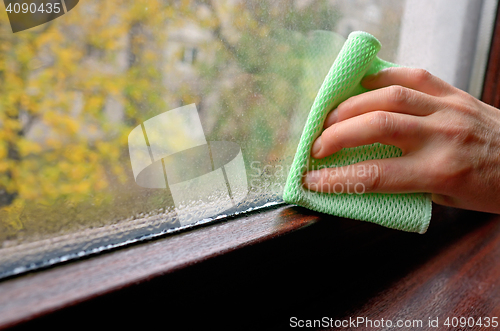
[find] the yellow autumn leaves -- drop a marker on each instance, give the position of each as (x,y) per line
(71,90)
(56,141)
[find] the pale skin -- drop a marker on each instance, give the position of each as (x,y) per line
(449,139)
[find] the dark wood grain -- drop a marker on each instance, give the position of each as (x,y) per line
(457,278)
(291,263)
(491,88)
(39,293)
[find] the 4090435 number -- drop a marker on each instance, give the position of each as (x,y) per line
(32,8)
(471,322)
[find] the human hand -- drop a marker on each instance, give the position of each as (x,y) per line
(450,141)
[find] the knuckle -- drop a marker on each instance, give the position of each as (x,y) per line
(421,75)
(461,103)
(466,106)
(398,95)
(371,179)
(383,121)
(460,131)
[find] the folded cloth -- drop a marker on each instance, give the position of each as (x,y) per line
(408,212)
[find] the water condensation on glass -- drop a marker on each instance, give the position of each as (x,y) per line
(203,178)
(103,109)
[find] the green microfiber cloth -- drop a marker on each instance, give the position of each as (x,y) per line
(408,212)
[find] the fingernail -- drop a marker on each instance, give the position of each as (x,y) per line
(311,179)
(369,78)
(316,146)
(332,118)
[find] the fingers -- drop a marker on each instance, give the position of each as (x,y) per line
(393,175)
(394,113)
(395,99)
(416,79)
(445,200)
(403,131)
(403,90)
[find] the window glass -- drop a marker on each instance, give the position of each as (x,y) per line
(121,120)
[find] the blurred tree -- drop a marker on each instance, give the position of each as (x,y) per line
(72,89)
(57,142)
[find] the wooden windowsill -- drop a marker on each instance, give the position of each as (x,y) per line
(257,271)
(41,292)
